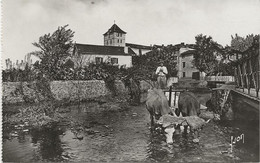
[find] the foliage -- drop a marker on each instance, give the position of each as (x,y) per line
(34,115)
(242,43)
(205,58)
(150,61)
(15,75)
(54,48)
(211,57)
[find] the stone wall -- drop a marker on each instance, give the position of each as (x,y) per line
(18,92)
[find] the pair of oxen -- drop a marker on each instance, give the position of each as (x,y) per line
(162,114)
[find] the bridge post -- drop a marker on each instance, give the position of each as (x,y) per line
(175,95)
(170,96)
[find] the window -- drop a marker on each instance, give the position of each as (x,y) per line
(117,34)
(118,41)
(99,60)
(183,74)
(114,61)
(183,64)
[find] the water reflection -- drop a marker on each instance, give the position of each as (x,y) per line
(155,150)
(48,143)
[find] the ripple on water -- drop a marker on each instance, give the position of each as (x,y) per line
(124,136)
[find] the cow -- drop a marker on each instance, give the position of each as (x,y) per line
(157,106)
(188,105)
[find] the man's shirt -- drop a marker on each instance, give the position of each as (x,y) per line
(162,72)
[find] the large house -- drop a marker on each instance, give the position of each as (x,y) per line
(115,50)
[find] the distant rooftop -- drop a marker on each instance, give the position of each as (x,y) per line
(137,46)
(113,29)
(188,52)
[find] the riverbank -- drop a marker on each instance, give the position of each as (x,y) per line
(34,115)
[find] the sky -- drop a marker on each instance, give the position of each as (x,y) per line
(145,21)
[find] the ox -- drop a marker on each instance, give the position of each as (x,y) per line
(157,105)
(188,105)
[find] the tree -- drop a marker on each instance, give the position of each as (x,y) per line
(241,44)
(207,52)
(54,48)
(146,65)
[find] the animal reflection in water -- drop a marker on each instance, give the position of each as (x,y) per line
(161,114)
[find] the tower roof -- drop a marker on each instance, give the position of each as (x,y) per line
(113,29)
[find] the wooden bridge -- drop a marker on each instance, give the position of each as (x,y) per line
(246,95)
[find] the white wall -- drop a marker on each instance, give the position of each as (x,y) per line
(188,69)
(113,37)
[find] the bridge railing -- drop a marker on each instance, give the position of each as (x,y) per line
(220,78)
(247,71)
(173,96)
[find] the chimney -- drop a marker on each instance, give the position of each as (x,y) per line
(126,49)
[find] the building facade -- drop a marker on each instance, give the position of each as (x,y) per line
(185,65)
(85,54)
(114,51)
(114,36)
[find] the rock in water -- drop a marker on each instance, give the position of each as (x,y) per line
(206,115)
(195,122)
(167,120)
(195,140)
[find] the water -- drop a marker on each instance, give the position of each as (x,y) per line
(125,136)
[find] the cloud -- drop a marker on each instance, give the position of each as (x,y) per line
(145,21)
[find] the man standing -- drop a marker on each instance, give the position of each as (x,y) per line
(161,71)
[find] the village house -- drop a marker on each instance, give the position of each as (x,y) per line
(186,68)
(115,50)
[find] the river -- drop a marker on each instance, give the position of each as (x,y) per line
(125,136)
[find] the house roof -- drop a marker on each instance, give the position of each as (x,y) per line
(138,46)
(113,29)
(87,49)
(131,52)
(188,52)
